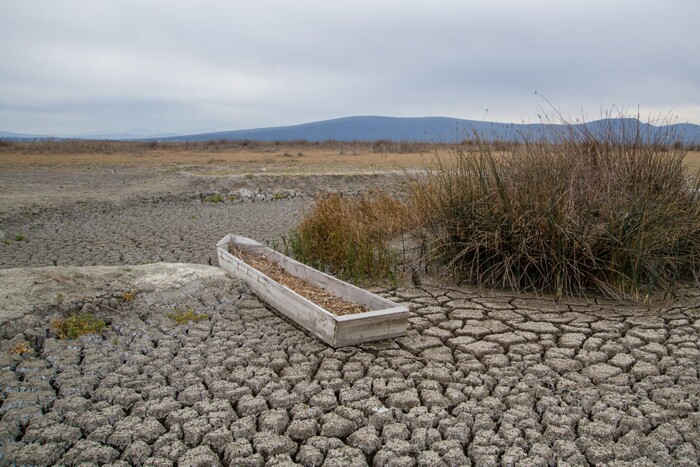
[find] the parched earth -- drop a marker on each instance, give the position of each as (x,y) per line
(482,377)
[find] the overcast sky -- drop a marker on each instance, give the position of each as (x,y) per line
(72,67)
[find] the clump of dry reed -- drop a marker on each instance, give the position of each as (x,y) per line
(610,209)
(349,236)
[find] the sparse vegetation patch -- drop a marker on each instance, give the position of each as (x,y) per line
(22,348)
(127,297)
(182,317)
(77,325)
(215,198)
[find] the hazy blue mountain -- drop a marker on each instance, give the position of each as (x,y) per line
(426,129)
(8,135)
(430,129)
(418,129)
(134,134)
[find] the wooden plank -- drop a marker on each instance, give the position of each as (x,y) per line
(297,308)
(366,329)
(385,319)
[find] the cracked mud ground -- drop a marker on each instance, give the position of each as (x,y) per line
(482,378)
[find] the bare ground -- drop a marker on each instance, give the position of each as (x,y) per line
(482,378)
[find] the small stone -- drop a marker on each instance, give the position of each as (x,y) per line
(430,459)
(473,331)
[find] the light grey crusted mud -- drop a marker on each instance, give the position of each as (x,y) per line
(139,232)
(481,379)
(121,215)
(30,295)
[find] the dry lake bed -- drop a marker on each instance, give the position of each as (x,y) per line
(482,377)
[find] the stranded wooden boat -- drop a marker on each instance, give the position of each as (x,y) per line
(385,319)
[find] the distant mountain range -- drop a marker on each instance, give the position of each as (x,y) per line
(414,129)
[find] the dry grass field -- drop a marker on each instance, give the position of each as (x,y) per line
(230,158)
(692,160)
(227,159)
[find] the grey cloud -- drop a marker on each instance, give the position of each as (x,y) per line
(77,66)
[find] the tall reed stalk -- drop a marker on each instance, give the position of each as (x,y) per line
(610,209)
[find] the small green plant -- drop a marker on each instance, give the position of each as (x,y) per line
(20,238)
(22,348)
(60,297)
(184,316)
(77,325)
(215,198)
(6,241)
(114,341)
(279,195)
(233,197)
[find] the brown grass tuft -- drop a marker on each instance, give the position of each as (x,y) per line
(349,236)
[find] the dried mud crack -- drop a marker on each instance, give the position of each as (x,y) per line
(482,378)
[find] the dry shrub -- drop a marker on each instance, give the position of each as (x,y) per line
(348,236)
(612,210)
(69,146)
